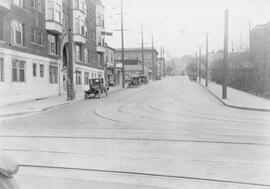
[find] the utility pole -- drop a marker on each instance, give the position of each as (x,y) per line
(142,48)
(70,84)
(225,58)
(196,61)
(153,61)
(163,62)
(206,61)
(122,40)
(200,62)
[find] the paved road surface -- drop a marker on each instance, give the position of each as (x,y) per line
(169,134)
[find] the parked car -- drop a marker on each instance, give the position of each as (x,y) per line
(8,168)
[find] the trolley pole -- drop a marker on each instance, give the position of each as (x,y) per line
(122,40)
(225,58)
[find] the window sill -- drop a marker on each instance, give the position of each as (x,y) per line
(55,22)
(36,44)
(19,46)
(54,55)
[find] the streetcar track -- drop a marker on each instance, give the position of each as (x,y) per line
(148,175)
(139,139)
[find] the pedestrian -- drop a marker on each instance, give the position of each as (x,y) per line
(8,168)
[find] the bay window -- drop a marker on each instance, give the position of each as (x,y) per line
(54,11)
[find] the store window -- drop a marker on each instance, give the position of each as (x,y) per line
(18,71)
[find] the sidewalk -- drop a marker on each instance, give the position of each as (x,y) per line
(237,99)
(35,106)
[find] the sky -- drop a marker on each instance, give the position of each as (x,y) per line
(179,26)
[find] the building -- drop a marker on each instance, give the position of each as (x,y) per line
(34,48)
(100,31)
(136,54)
(133,67)
(260,44)
(110,65)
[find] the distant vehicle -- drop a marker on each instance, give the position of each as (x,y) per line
(134,82)
(8,168)
(192,77)
(97,88)
(158,77)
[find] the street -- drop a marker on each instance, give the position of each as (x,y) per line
(169,134)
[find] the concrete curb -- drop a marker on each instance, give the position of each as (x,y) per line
(60,105)
(233,106)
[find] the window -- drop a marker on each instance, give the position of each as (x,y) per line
(1,69)
(86,78)
(57,13)
(33,3)
(36,36)
(41,70)
(78,77)
(33,37)
(53,74)
(50,10)
(76,4)
(16,33)
(39,5)
(78,53)
(82,5)
(82,27)
(52,44)
(18,3)
(34,70)
(39,37)
(86,56)
(77,25)
(18,71)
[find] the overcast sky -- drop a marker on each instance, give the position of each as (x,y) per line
(178,25)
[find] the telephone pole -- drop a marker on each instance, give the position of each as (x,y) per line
(122,40)
(142,48)
(70,84)
(206,60)
(225,59)
(200,62)
(196,61)
(153,61)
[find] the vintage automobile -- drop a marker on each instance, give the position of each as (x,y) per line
(134,82)
(97,88)
(144,79)
(8,168)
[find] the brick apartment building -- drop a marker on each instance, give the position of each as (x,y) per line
(136,54)
(34,48)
